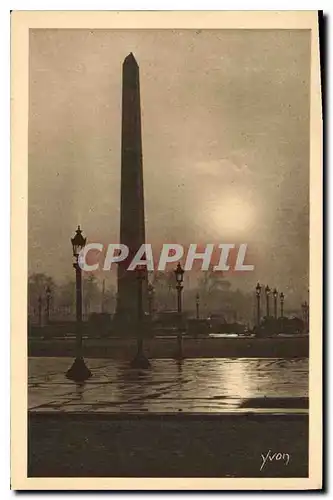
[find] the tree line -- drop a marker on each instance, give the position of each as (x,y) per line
(216,296)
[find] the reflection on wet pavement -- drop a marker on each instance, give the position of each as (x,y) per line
(202,385)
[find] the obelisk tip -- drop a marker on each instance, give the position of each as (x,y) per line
(130,59)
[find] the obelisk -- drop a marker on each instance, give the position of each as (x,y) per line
(132,220)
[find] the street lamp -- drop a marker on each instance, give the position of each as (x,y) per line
(40,310)
(267,292)
(305,308)
(140,360)
(48,300)
(150,290)
(258,293)
(281,303)
(275,295)
(197,305)
(179,273)
(78,372)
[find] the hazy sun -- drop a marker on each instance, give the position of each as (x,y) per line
(232,216)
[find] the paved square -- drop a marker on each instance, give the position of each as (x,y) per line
(195,385)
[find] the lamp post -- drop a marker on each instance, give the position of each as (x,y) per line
(267,292)
(40,310)
(150,290)
(48,300)
(197,305)
(258,293)
(305,308)
(140,360)
(78,372)
(275,295)
(179,273)
(281,303)
(103,297)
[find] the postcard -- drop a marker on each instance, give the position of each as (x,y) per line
(166,251)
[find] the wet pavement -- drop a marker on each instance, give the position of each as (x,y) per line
(215,385)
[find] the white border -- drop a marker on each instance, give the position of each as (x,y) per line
(102,5)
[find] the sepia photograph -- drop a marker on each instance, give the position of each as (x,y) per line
(168,325)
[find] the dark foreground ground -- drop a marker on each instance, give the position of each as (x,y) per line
(179,445)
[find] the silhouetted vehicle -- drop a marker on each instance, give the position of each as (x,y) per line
(169,321)
(198,327)
(100,319)
(271,327)
(238,328)
(218,324)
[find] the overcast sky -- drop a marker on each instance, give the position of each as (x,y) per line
(225,118)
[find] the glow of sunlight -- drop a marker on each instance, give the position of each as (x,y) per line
(232,216)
